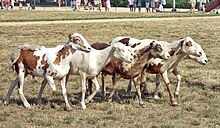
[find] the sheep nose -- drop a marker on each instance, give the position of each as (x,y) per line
(206,61)
(167,57)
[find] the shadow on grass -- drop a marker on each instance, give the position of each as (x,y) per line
(202,85)
(75,98)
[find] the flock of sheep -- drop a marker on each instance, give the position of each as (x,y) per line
(123,57)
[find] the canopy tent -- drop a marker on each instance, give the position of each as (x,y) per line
(213,5)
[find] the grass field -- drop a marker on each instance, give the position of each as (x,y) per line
(199,100)
(23,15)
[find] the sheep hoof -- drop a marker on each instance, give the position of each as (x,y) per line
(174,104)
(6,102)
(86,101)
(127,101)
(156,97)
(83,105)
(109,100)
(91,101)
(68,109)
(52,105)
(176,95)
(27,105)
(120,102)
(84,108)
(143,106)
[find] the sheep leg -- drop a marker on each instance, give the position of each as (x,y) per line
(43,84)
(138,90)
(51,83)
(89,91)
(11,88)
(83,84)
(95,81)
(143,85)
(21,76)
(129,87)
(114,82)
(167,82)
(67,78)
(63,86)
(103,89)
(178,77)
(156,97)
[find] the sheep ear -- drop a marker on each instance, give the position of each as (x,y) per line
(70,36)
(119,46)
(189,43)
(182,43)
(152,44)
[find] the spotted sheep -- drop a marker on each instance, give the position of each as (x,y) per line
(116,69)
(139,44)
(89,65)
(50,63)
(180,50)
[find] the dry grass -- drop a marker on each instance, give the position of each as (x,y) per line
(199,101)
(23,15)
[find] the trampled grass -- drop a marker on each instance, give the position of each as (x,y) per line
(199,100)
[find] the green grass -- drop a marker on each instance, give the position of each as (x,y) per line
(199,100)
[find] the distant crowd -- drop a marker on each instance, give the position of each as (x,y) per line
(6,4)
(134,5)
(156,5)
(90,4)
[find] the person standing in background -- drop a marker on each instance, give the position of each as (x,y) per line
(131,5)
(147,5)
(72,4)
(33,4)
(6,3)
(100,5)
(202,5)
(152,4)
(20,2)
(2,4)
(107,5)
(156,5)
(28,4)
(12,4)
(139,5)
(77,5)
(135,5)
(60,3)
(193,5)
(163,3)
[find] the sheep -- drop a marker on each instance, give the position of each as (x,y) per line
(180,50)
(88,65)
(117,70)
(50,63)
